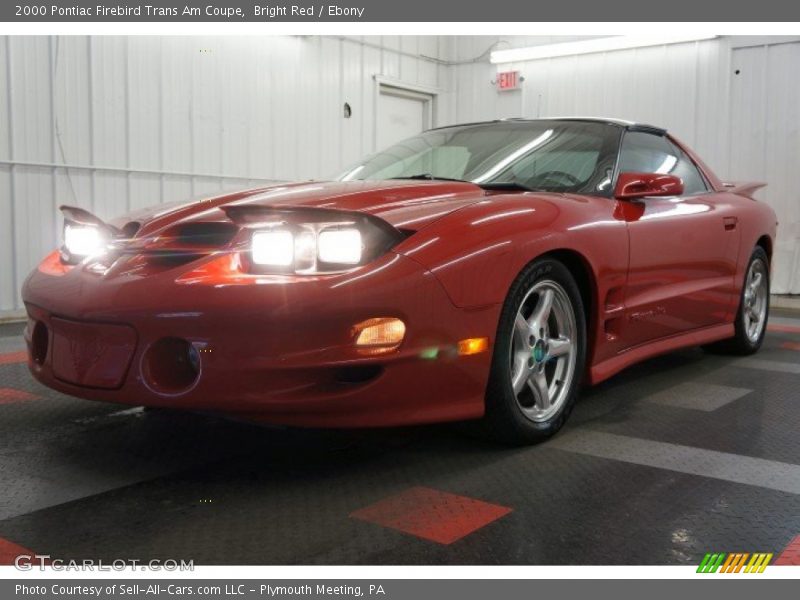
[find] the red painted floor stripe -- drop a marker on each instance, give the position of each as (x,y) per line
(790,346)
(431,514)
(9,395)
(9,358)
(790,554)
(783,328)
(9,551)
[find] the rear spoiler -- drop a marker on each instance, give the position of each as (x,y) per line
(744,188)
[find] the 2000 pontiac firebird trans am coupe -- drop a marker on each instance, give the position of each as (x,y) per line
(478,271)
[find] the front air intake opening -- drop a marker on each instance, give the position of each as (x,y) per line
(171,366)
(40,340)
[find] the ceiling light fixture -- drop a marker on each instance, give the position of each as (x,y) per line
(602,44)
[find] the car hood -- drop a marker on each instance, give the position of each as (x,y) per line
(401,203)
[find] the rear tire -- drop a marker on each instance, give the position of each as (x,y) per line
(751,318)
(539,356)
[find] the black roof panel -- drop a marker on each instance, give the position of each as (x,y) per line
(629,125)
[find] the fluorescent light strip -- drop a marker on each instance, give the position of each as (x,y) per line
(603,44)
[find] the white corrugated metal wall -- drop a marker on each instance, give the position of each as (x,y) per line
(765,131)
(691,89)
(142,120)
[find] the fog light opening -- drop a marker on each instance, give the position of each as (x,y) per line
(40,340)
(171,366)
(379,335)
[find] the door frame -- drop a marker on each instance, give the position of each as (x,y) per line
(428,95)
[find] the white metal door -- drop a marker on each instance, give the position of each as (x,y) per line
(765,143)
(401,114)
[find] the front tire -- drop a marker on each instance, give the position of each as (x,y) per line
(539,355)
(751,319)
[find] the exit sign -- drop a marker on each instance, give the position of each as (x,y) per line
(508,80)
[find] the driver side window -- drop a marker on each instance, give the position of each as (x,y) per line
(649,153)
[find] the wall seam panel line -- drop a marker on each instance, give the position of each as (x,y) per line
(52,50)
(12,177)
(192,136)
(696,92)
(220,97)
(362,101)
(127,100)
(90,84)
(340,105)
(161,153)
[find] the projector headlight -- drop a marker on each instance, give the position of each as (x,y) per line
(340,246)
(81,241)
(273,248)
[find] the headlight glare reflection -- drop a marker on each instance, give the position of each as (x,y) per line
(341,246)
(273,248)
(82,241)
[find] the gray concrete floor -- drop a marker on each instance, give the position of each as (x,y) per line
(685,454)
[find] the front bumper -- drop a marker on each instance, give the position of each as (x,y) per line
(279,350)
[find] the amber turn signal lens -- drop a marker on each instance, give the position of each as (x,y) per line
(473,346)
(379,335)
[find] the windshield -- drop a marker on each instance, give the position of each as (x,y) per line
(554,156)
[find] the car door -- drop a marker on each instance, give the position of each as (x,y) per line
(682,249)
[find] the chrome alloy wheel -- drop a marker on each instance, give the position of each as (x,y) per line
(543,351)
(755,301)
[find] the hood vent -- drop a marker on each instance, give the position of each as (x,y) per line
(129,229)
(202,235)
(173,247)
(187,242)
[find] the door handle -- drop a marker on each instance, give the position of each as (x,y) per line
(730,223)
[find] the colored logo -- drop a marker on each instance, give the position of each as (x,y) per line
(539,351)
(735,562)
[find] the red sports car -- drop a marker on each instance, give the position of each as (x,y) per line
(479,271)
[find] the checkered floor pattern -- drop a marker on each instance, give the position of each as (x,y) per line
(682,455)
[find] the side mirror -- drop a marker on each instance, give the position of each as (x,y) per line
(641,185)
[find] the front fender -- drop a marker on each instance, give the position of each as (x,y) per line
(477,252)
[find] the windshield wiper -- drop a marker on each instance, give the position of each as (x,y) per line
(491,185)
(429,177)
(508,185)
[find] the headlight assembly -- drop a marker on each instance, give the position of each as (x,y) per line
(82,241)
(307,247)
(85,235)
(308,241)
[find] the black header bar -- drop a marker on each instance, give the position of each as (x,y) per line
(240,11)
